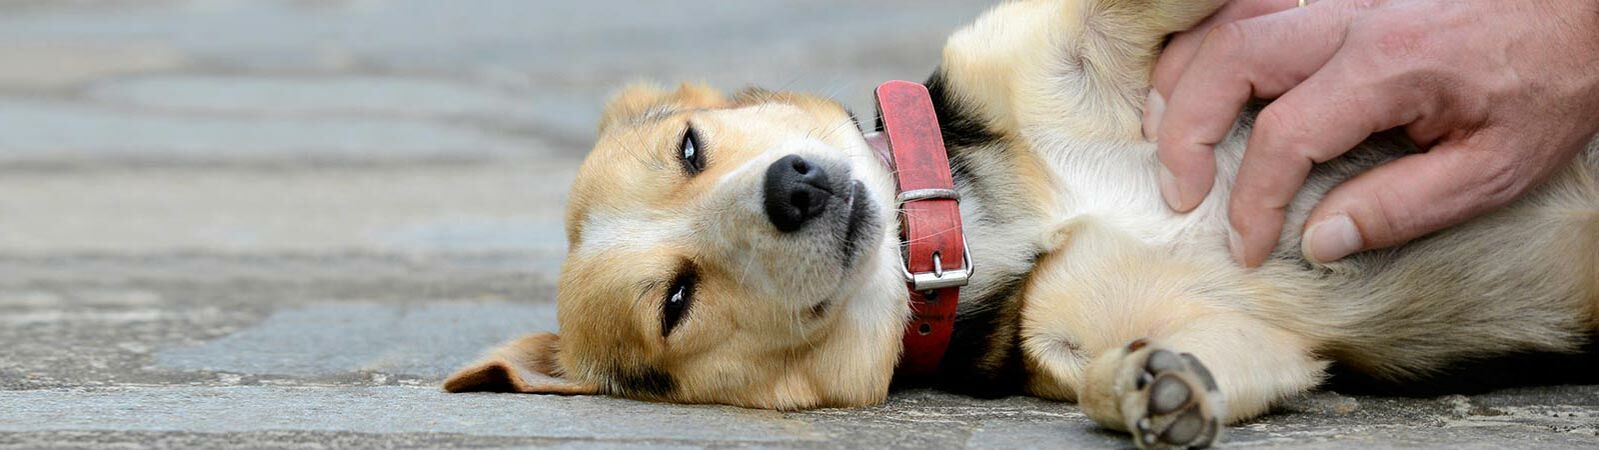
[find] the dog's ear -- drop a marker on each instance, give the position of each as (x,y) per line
(527,365)
(630,102)
(639,100)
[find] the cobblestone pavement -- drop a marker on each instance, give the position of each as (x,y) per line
(280,223)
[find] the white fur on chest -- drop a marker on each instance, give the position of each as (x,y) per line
(1117,184)
(1113,184)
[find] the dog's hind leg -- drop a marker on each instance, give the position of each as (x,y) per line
(1155,345)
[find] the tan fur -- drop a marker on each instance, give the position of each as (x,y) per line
(1095,86)
(1064,201)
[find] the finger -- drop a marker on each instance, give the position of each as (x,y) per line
(1183,45)
(1416,195)
(1259,57)
(1320,119)
(1180,50)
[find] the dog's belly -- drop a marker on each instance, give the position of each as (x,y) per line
(1117,184)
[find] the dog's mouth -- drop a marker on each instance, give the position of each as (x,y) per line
(860,223)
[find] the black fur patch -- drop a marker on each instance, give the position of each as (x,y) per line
(984,355)
(643,382)
(961,126)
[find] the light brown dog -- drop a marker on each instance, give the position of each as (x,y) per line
(682,285)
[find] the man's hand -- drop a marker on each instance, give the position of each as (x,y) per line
(1502,94)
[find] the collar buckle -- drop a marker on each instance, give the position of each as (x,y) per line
(939,278)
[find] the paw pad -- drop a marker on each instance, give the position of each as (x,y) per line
(1173,390)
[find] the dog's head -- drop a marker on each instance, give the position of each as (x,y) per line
(721,250)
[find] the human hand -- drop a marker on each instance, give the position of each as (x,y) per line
(1502,94)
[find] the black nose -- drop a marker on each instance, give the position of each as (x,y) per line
(796,192)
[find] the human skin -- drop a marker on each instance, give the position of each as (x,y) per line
(1501,94)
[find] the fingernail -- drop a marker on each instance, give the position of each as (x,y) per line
(1332,239)
(1154,108)
(1235,244)
(1169,190)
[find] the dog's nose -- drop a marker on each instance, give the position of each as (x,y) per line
(796,192)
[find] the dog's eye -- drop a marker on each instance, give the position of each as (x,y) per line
(693,158)
(677,300)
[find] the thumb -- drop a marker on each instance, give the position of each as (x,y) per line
(1413,196)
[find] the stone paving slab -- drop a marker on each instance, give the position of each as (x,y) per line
(430,340)
(917,419)
(440,208)
(52,131)
(279,223)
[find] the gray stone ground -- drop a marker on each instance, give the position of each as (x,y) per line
(280,223)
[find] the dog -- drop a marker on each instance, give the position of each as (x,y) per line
(683,283)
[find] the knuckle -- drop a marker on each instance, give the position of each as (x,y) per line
(1502,181)
(1226,40)
(1395,44)
(1250,212)
(1384,228)
(1279,126)
(1391,39)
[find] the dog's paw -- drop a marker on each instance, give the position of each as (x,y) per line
(1173,402)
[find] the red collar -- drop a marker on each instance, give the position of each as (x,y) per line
(936,262)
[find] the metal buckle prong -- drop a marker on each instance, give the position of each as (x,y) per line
(940,278)
(936,279)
